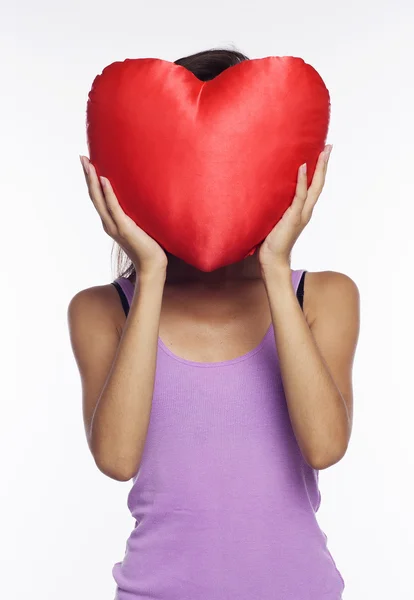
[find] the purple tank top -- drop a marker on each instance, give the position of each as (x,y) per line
(224,503)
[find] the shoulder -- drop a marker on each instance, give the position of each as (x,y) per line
(331,282)
(96,304)
(330,292)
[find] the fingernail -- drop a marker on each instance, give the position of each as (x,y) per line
(103,181)
(84,164)
(327,151)
(303,168)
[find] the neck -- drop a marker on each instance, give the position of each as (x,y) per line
(179,271)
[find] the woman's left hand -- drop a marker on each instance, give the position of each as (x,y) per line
(276,248)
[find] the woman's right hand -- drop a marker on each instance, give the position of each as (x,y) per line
(146,254)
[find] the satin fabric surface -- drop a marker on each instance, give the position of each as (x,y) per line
(207,168)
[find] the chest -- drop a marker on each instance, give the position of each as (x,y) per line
(214,329)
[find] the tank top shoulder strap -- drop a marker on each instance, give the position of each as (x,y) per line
(126,288)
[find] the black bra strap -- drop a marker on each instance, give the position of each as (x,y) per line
(124,300)
(300,290)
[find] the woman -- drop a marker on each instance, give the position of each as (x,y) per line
(221,395)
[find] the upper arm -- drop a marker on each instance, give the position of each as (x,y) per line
(93,319)
(334,309)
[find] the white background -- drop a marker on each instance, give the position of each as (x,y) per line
(63,523)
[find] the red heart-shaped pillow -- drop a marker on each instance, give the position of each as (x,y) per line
(207,168)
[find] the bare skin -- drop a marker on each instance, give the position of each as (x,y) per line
(212,317)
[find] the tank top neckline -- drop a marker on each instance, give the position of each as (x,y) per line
(222,363)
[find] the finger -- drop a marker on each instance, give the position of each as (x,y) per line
(301,189)
(318,180)
(98,198)
(112,203)
(86,169)
(84,163)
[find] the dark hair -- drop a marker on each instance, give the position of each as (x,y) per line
(205,65)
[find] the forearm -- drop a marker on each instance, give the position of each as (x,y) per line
(120,421)
(317,410)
